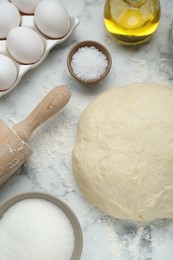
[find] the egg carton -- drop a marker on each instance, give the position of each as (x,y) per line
(49,43)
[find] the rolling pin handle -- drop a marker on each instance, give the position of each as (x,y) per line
(56,99)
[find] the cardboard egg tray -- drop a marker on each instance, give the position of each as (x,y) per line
(28,21)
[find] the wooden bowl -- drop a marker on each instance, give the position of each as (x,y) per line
(98,46)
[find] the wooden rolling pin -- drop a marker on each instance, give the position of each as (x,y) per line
(14,150)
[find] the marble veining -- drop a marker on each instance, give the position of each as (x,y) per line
(49,167)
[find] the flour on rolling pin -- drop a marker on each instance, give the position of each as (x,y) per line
(14,150)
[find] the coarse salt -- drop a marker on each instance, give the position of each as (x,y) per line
(35,229)
(89,63)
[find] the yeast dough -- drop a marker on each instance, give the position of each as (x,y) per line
(123,155)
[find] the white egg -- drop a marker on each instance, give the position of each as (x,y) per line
(52,18)
(25,45)
(8,72)
(26,6)
(9,18)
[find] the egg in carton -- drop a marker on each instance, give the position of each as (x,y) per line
(28,31)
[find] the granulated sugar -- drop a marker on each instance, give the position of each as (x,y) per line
(89,63)
(35,229)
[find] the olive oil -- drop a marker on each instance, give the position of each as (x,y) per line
(132,21)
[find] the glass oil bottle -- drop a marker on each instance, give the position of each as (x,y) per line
(132,21)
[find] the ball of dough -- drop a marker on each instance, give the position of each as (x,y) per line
(123,155)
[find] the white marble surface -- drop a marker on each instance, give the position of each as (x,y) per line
(49,168)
